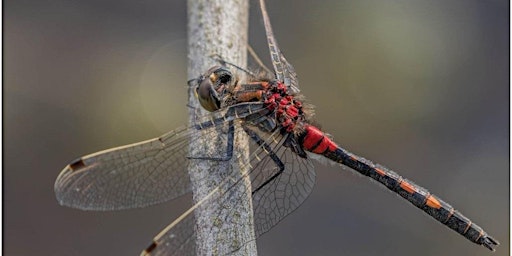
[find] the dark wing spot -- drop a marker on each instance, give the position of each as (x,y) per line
(77,164)
(150,248)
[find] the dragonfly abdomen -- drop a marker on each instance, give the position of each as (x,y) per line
(317,142)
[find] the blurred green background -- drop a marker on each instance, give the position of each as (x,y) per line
(419,86)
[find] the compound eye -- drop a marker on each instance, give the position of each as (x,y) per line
(225,78)
(207,96)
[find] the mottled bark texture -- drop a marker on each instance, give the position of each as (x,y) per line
(224,223)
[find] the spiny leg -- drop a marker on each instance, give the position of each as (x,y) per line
(258,60)
(229,150)
(254,136)
(234,112)
(224,62)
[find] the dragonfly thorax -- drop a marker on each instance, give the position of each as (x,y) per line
(288,109)
(219,88)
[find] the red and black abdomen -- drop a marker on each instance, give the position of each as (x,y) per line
(316,141)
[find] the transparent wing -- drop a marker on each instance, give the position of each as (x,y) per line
(140,174)
(271,202)
(135,175)
(179,237)
(283,69)
(283,194)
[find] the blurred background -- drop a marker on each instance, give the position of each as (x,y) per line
(421,87)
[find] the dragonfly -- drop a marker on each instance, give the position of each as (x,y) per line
(272,112)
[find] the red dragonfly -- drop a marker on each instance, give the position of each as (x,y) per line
(272,113)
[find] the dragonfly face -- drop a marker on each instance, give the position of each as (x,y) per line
(212,86)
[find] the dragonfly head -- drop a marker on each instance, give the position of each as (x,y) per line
(212,86)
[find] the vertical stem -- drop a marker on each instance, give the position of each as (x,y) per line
(219,27)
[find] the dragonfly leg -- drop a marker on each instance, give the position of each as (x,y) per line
(195,109)
(254,136)
(192,84)
(229,151)
(224,62)
(236,112)
(258,60)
